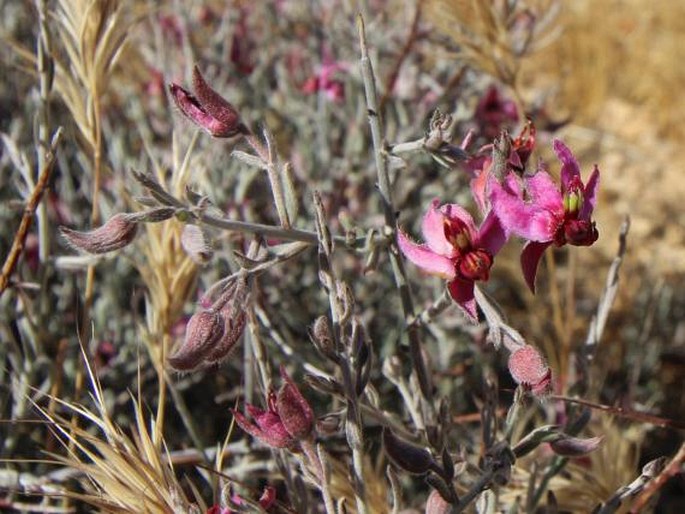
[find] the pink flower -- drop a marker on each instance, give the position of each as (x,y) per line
(456,250)
(208,110)
(323,81)
(535,209)
(287,420)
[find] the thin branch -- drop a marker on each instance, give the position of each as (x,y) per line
(29,210)
(389,213)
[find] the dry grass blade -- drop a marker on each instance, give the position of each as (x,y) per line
(125,473)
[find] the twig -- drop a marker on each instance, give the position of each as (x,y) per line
(672,468)
(388,211)
(29,210)
(625,413)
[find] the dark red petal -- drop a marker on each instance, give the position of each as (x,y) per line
(462,292)
(530,259)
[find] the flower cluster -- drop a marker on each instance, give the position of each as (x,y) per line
(512,203)
(528,206)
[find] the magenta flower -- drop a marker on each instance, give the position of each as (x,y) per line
(207,109)
(535,209)
(287,420)
(333,89)
(456,250)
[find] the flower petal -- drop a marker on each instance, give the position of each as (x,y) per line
(590,195)
(544,193)
(530,258)
(462,293)
(425,258)
(569,165)
(491,234)
(433,229)
(523,219)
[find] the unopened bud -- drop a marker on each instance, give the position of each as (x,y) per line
(204,331)
(322,336)
(209,110)
(294,410)
(530,370)
(118,232)
(436,504)
(407,456)
(568,446)
(196,244)
(234,324)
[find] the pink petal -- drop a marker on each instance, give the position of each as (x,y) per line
(530,258)
(433,229)
(462,293)
(425,258)
(491,235)
(523,219)
(590,194)
(569,165)
(456,212)
(544,193)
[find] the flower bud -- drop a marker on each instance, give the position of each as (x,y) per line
(436,504)
(118,232)
(406,456)
(530,370)
(294,410)
(204,330)
(209,110)
(196,244)
(568,446)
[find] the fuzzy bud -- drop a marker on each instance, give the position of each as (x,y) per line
(118,232)
(209,110)
(530,370)
(436,504)
(204,331)
(196,244)
(295,413)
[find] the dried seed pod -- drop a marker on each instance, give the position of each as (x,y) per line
(118,232)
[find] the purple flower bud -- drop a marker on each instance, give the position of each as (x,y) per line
(118,232)
(204,330)
(406,456)
(209,110)
(568,446)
